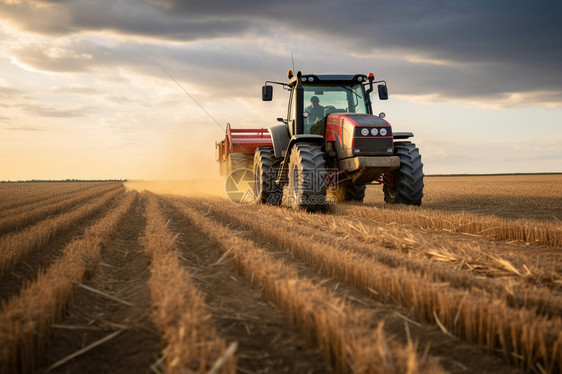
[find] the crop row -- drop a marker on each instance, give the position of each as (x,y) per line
(544,233)
(19,195)
(18,218)
(17,246)
(349,337)
(522,336)
(444,259)
(385,244)
(192,342)
(25,321)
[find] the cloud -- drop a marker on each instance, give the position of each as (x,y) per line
(62,55)
(58,18)
(22,128)
(513,31)
(42,111)
(75,90)
(477,50)
(9,92)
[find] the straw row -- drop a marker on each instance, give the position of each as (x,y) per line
(192,344)
(18,218)
(349,337)
(19,195)
(534,232)
(524,338)
(458,263)
(17,246)
(25,321)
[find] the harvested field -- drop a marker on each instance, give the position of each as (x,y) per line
(96,277)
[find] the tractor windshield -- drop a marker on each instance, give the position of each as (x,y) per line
(350,99)
(319,101)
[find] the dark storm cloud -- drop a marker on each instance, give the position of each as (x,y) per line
(487,48)
(125,16)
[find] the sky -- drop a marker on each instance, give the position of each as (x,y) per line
(85,91)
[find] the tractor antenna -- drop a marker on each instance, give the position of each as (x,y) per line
(293,60)
(184,90)
(400,67)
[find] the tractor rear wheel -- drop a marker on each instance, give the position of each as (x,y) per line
(355,192)
(307,177)
(265,168)
(408,180)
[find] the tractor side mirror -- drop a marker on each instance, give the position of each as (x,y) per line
(383,92)
(267,93)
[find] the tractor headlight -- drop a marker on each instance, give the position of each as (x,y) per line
(383,132)
(364,132)
(374,131)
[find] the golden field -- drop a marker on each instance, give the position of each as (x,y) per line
(155,277)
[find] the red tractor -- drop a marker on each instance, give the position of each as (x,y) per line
(332,148)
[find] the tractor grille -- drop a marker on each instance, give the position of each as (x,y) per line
(373,146)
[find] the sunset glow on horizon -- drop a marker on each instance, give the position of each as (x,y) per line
(84,94)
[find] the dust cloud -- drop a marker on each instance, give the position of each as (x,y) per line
(193,187)
(181,162)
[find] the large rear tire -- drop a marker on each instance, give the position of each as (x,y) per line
(355,192)
(265,169)
(408,180)
(307,177)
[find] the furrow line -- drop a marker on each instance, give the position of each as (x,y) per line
(26,193)
(17,219)
(350,340)
(533,232)
(28,268)
(192,343)
(114,301)
(17,246)
(240,312)
(519,292)
(523,337)
(25,321)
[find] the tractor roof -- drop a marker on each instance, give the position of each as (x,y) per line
(330,79)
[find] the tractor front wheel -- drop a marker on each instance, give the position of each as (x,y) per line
(405,185)
(355,192)
(307,177)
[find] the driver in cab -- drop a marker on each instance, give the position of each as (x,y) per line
(315,112)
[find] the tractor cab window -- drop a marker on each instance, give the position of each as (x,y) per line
(320,101)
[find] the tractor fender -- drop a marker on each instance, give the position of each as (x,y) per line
(280,137)
(302,138)
(402,135)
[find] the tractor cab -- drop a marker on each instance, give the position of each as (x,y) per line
(314,97)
